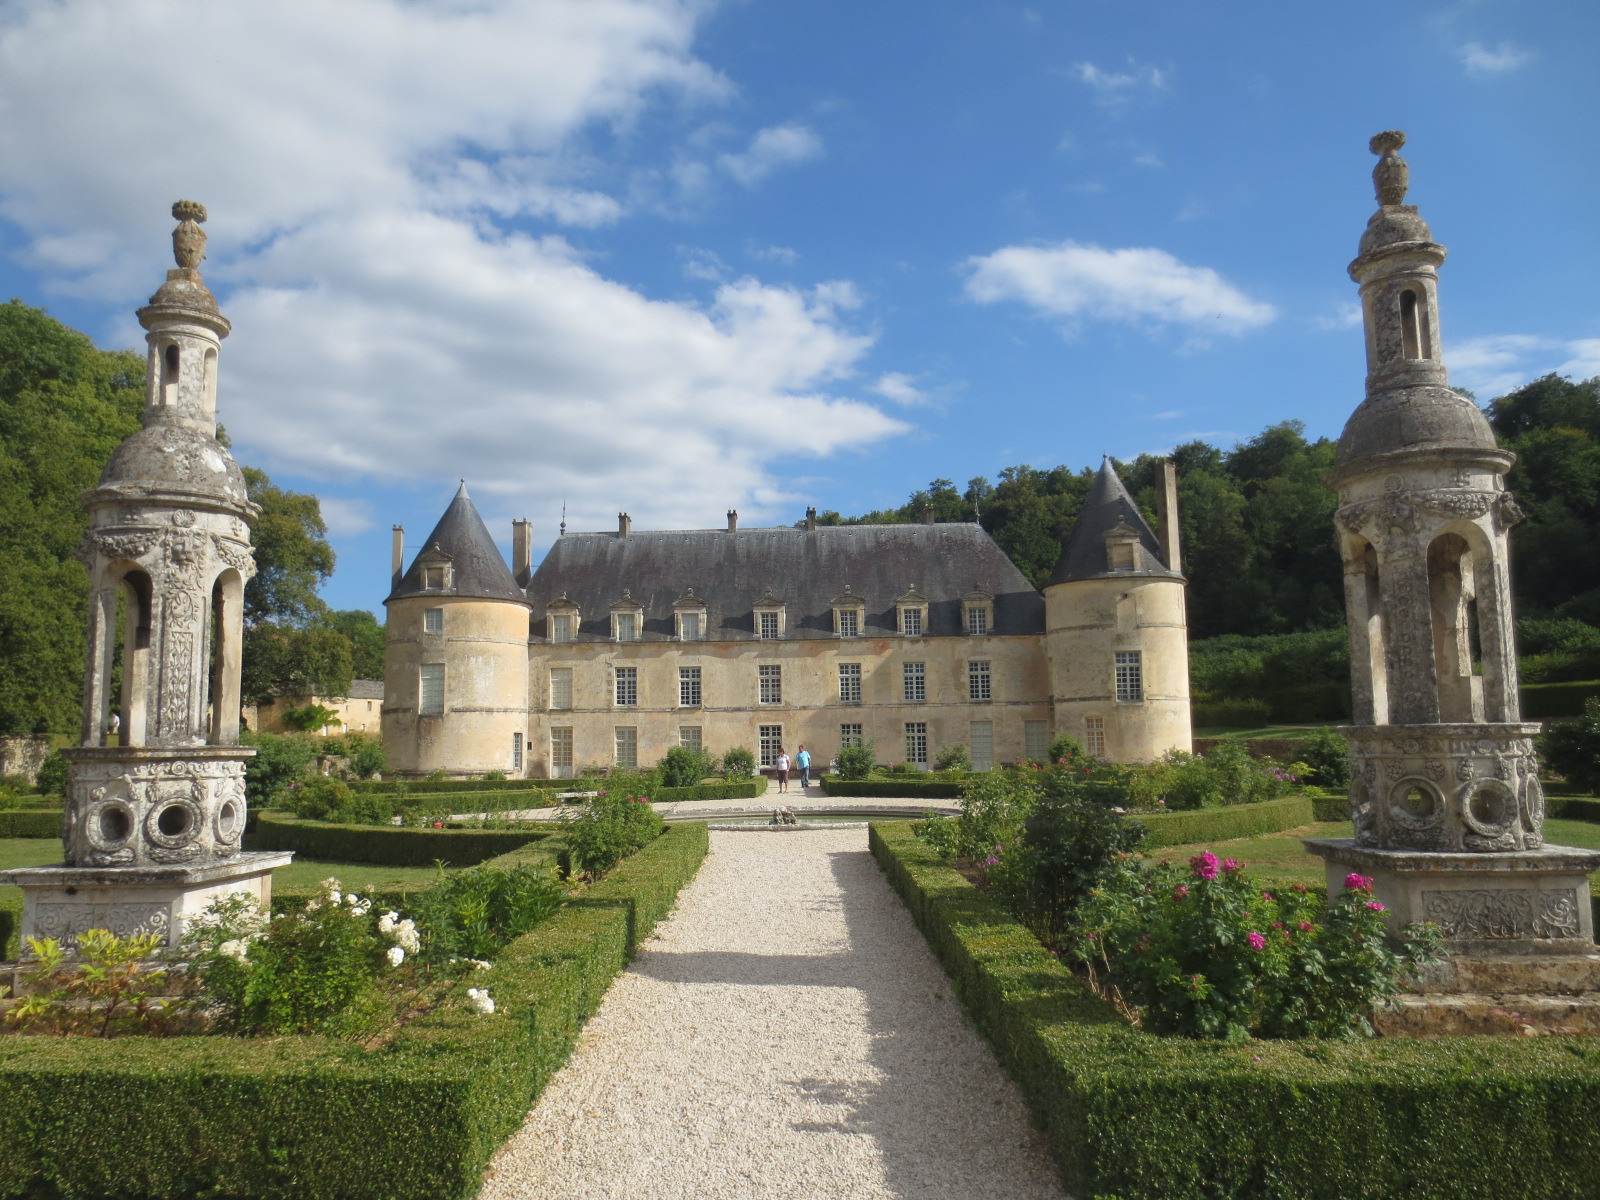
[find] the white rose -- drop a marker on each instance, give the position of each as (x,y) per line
(396,956)
(234,949)
(481,1000)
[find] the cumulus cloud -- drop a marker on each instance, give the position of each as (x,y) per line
(1136,285)
(1495,364)
(899,387)
(1116,89)
(1346,316)
(1481,60)
(389,181)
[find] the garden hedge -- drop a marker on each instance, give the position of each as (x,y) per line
(307,1118)
(386,845)
(440,786)
(1220,824)
(1541,701)
(1138,1117)
(900,785)
(1573,808)
(30,823)
(744,789)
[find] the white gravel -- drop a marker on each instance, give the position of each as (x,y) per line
(785,1034)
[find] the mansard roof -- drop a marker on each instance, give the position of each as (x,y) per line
(731,570)
(477,571)
(1105,508)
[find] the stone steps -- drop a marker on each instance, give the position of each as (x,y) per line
(1476,1014)
(1540,975)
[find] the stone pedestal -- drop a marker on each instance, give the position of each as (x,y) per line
(154,806)
(63,902)
(1522,902)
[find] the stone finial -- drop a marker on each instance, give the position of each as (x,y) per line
(188,239)
(1391,176)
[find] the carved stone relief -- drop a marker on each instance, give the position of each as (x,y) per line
(1488,914)
(65,920)
(151,813)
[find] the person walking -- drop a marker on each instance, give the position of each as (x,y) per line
(803,761)
(782,763)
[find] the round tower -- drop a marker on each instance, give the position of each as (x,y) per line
(1116,631)
(455,691)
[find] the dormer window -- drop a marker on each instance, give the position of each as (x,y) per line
(911,613)
(769,615)
(562,619)
(689,613)
(436,573)
(627,618)
(977,612)
(849,613)
(1122,543)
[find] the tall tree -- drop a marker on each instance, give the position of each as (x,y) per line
(366,637)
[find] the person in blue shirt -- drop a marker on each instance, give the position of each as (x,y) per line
(802,759)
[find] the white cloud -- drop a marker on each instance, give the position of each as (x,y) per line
(361,162)
(900,387)
(1481,61)
(1148,158)
(700,263)
(774,147)
(782,255)
(1346,316)
(346,518)
(1134,285)
(1114,89)
(1495,364)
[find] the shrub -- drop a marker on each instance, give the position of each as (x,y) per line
(110,988)
(494,776)
(855,761)
(279,760)
(1231,714)
(309,718)
(473,914)
(738,763)
(953,757)
(683,767)
(1572,748)
(1225,775)
(1065,746)
(385,845)
(320,798)
(10,797)
(366,755)
(1327,753)
(609,827)
(53,775)
(1204,952)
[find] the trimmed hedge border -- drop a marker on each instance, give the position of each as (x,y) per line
(306,1118)
(1558,701)
(30,823)
(746,789)
(1146,1118)
(424,787)
(387,845)
(1221,824)
(1573,808)
(902,785)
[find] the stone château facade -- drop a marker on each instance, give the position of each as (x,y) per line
(624,644)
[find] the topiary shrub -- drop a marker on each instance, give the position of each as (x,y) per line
(53,775)
(1065,746)
(953,757)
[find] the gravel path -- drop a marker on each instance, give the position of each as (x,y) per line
(785,1035)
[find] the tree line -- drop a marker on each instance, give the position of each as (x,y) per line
(64,407)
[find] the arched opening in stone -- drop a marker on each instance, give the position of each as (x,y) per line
(1411,341)
(129,667)
(169,375)
(1368,640)
(1452,600)
(211,381)
(226,632)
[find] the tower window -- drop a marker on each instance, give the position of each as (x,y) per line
(516,751)
(433,620)
(169,375)
(1130,676)
(433,578)
(1415,336)
(430,690)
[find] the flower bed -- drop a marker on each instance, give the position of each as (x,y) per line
(312,1118)
(387,845)
(1148,1118)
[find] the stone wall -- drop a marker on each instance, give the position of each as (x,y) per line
(23,756)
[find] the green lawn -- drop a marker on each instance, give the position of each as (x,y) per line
(1267,731)
(1279,858)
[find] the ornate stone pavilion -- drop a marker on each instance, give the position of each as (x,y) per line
(156,804)
(1448,809)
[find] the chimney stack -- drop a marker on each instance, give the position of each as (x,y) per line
(811,519)
(624,524)
(733,519)
(397,561)
(927,514)
(522,551)
(1167,514)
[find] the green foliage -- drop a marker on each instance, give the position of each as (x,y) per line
(282,660)
(494,776)
(327,798)
(683,767)
(1226,774)
(386,845)
(474,914)
(1327,753)
(293,558)
(442,786)
(1242,681)
(921,786)
(1065,746)
(952,757)
(10,796)
(110,990)
(1127,1114)
(53,775)
(738,763)
(308,719)
(1546,700)
(366,637)
(741,789)
(1238,820)
(30,823)
(366,755)
(1572,748)
(856,761)
(608,828)
(279,760)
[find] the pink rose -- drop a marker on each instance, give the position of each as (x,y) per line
(1357,883)
(1182,892)
(1374,906)
(1232,864)
(1307,927)
(1257,942)
(1204,865)
(1266,895)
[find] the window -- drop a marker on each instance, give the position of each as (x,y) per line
(1122,556)
(849,683)
(689,627)
(1094,736)
(767,625)
(980,741)
(627,746)
(627,682)
(560,687)
(849,622)
(561,753)
(516,751)
(689,687)
(911,622)
(1036,739)
(978,687)
(627,627)
(560,629)
(770,741)
(430,690)
(917,742)
(1130,677)
(433,578)
(771,684)
(977,621)
(914,681)
(433,620)
(849,735)
(689,737)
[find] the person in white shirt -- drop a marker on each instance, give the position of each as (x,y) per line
(782,764)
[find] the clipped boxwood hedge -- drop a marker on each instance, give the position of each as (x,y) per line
(308,1118)
(914,786)
(1573,808)
(1541,701)
(386,845)
(1220,824)
(1131,1115)
(432,787)
(30,823)
(744,789)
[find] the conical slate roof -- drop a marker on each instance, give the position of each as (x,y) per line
(477,569)
(1105,507)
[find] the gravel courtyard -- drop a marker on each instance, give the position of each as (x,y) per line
(785,1034)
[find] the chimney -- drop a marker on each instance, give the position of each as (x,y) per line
(811,519)
(733,519)
(522,551)
(927,514)
(397,560)
(624,524)
(1167,515)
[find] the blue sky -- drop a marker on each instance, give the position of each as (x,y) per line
(676,258)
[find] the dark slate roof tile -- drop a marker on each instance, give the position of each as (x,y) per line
(478,570)
(1107,504)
